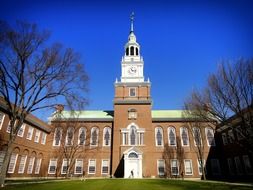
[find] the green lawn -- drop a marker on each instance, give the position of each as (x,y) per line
(126,184)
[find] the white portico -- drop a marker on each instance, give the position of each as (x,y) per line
(133,163)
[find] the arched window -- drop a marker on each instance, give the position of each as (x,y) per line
(159,136)
(127,51)
(136,51)
(94,136)
(132,155)
(210,136)
(133,136)
(57,136)
(82,136)
(184,136)
(196,136)
(107,136)
(172,136)
(70,136)
(131,50)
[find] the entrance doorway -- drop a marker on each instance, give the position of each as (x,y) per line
(132,163)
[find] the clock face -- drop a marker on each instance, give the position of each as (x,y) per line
(132,70)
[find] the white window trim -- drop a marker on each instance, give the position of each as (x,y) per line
(181,131)
(201,143)
(22,134)
(97,131)
(72,130)
(81,160)
(52,160)
(22,170)
(157,163)
(63,165)
(206,130)
(103,166)
(172,166)
(174,134)
(185,166)
(79,133)
(32,129)
(55,135)
(204,163)
(43,138)
(135,89)
(156,129)
(9,125)
(32,159)
(2,122)
(14,166)
(37,136)
(37,166)
(104,130)
(94,166)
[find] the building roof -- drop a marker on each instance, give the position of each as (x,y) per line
(167,115)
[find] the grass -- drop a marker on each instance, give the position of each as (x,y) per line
(126,184)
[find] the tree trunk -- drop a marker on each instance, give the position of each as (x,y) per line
(5,163)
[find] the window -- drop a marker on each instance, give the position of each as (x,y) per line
(37,166)
(12,163)
(133,135)
(21,131)
(132,114)
(69,136)
(43,138)
(29,133)
(184,136)
(224,138)
(174,167)
(22,163)
(197,136)
(215,166)
(231,137)
(231,167)
(239,133)
(79,166)
(52,166)
(161,167)
(132,155)
(107,136)
(172,136)
(132,92)
(30,165)
(238,165)
(1,119)
(8,129)
(141,139)
(64,166)
(37,136)
(127,51)
(94,136)
(57,137)
(124,138)
(159,136)
(136,51)
(131,50)
(188,167)
(247,164)
(201,166)
(210,136)
(92,166)
(2,154)
(105,166)
(82,136)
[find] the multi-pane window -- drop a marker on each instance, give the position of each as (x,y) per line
(92,166)
(215,167)
(231,137)
(94,136)
(82,136)
(197,136)
(30,165)
(22,163)
(174,167)
(43,138)
(107,136)
(159,136)
(30,133)
(161,167)
(172,136)
(247,164)
(184,136)
(69,136)
(1,119)
(238,166)
(132,92)
(105,166)
(21,131)
(231,167)
(201,166)
(52,166)
(133,135)
(37,166)
(79,166)
(210,136)
(188,167)
(57,137)
(2,154)
(124,138)
(12,163)
(64,166)
(224,138)
(239,133)
(37,136)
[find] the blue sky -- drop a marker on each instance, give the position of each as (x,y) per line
(181,41)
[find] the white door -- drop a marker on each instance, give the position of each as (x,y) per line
(132,168)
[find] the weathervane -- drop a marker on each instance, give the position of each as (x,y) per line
(132,21)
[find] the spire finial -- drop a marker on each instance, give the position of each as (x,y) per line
(132,21)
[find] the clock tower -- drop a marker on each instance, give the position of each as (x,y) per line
(132,114)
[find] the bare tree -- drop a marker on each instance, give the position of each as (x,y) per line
(35,75)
